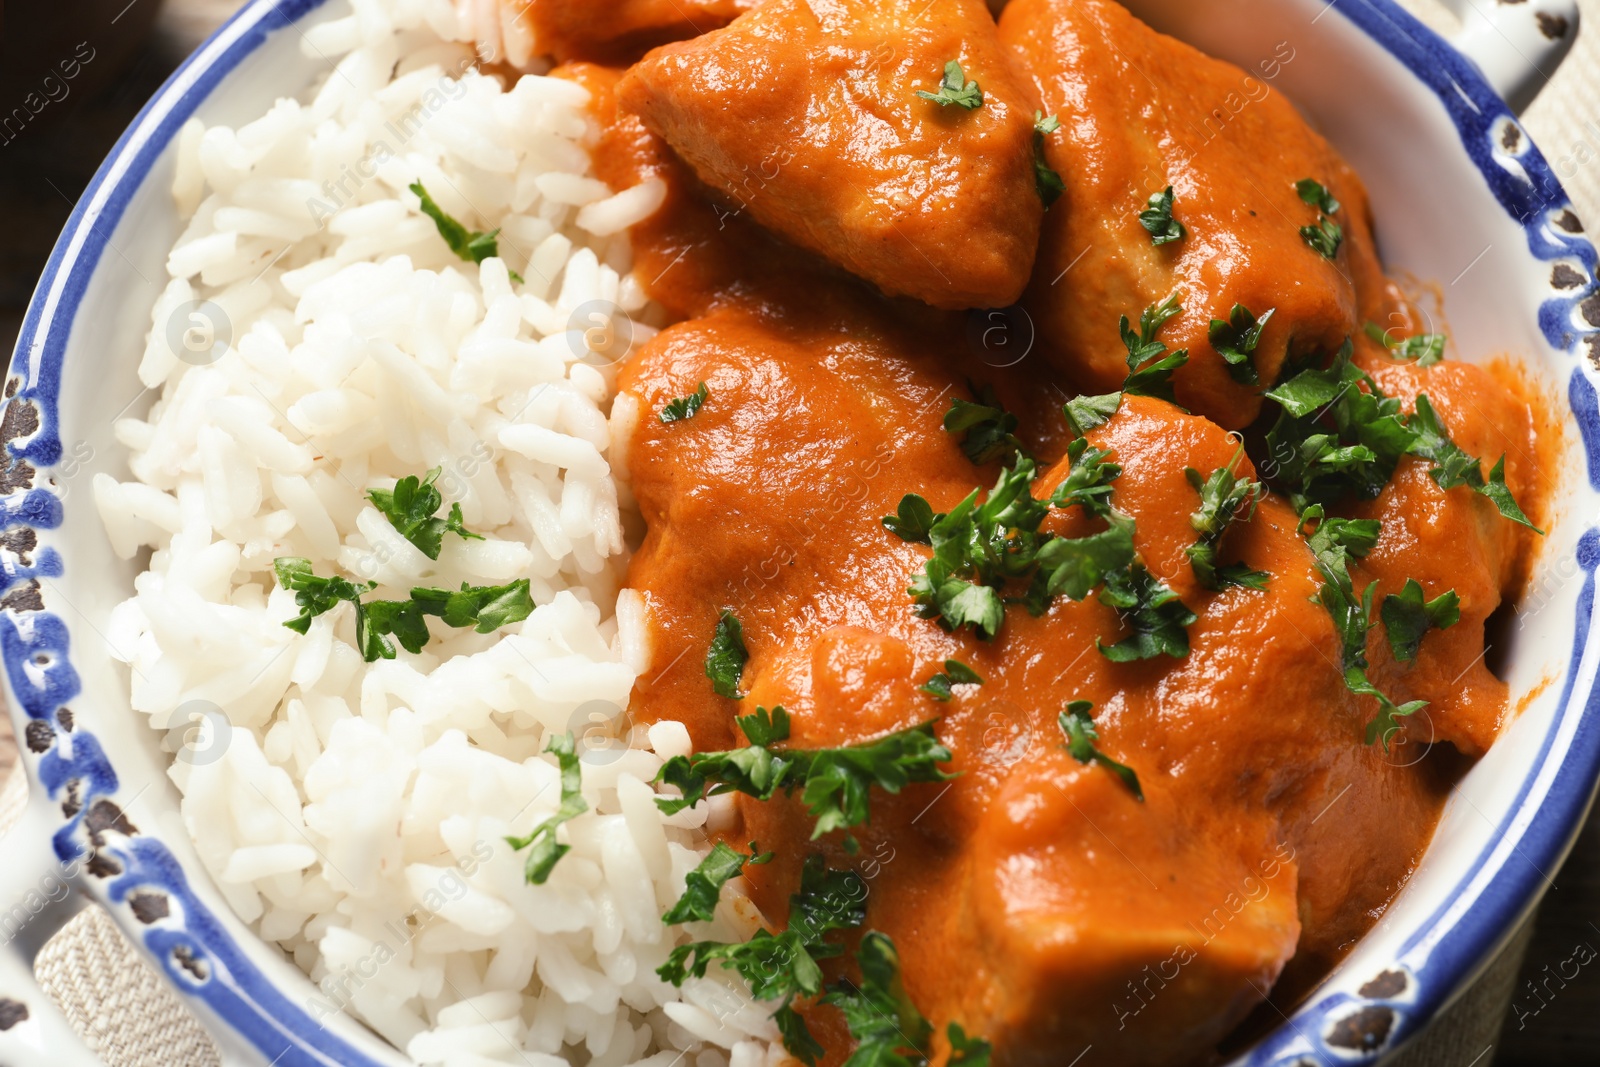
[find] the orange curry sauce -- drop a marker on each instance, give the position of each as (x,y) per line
(1033,898)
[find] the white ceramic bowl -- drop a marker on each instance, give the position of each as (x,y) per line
(1461,198)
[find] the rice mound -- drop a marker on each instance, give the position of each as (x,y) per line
(355,813)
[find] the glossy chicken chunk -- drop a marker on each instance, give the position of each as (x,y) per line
(1034,898)
(806,116)
(575,29)
(1453,540)
(1139,112)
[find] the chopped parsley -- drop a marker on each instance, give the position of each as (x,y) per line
(1235,340)
(1407,617)
(1326,235)
(1078,726)
(1426,348)
(888,1029)
(955,89)
(1453,467)
(1157,218)
(727,656)
(1333,544)
(483,607)
(784,966)
(410,508)
(544,850)
(979,548)
(1047,181)
(1084,413)
(986,428)
(474,246)
(955,673)
(1148,607)
(834,782)
(703,885)
(685,407)
(1224,499)
(1150,366)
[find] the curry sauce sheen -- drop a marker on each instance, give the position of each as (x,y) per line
(1034,898)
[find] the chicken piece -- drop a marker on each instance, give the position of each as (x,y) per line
(1453,540)
(519,31)
(1014,892)
(1139,112)
(806,115)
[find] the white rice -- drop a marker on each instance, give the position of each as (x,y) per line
(355,813)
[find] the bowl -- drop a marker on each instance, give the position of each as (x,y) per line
(1462,199)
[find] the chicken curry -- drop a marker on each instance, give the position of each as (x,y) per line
(1071,661)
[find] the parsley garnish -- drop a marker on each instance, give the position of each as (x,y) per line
(474,246)
(955,673)
(979,548)
(1224,499)
(888,1028)
(685,407)
(1151,610)
(410,507)
(1333,544)
(1079,727)
(1235,340)
(546,851)
(1157,218)
(955,89)
(727,656)
(1453,467)
(1150,366)
(834,782)
(315,595)
(1426,348)
(484,607)
(784,966)
(703,885)
(1315,462)
(1084,413)
(1407,617)
(1326,235)
(1047,181)
(986,428)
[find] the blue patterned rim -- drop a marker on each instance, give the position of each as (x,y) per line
(203,960)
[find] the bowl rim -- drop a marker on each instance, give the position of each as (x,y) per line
(1558,787)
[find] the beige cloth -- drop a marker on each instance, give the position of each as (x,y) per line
(130,1016)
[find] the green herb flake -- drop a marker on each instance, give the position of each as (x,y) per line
(727,656)
(315,595)
(1085,413)
(685,407)
(1407,617)
(941,686)
(888,1029)
(1453,467)
(1047,181)
(986,428)
(955,89)
(1079,728)
(1326,235)
(410,508)
(545,851)
(485,608)
(784,966)
(1224,500)
(474,246)
(1150,366)
(703,885)
(1425,349)
(835,783)
(1147,606)
(1157,219)
(1235,340)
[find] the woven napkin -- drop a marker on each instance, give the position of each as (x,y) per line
(131,1018)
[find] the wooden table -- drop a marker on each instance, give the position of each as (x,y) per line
(41,176)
